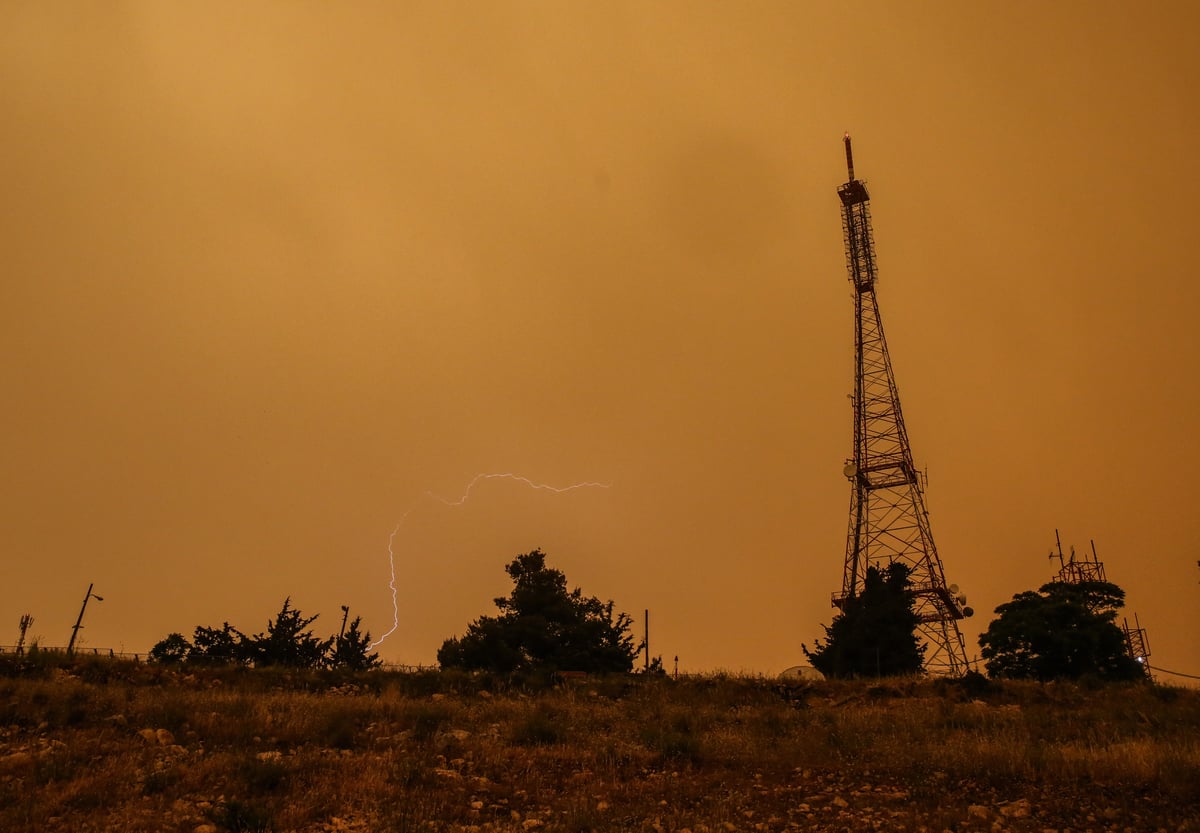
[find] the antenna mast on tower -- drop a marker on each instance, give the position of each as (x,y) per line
(888,519)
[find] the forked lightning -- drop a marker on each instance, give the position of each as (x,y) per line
(466,495)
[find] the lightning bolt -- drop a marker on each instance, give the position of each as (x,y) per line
(466,495)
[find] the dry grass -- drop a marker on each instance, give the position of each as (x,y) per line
(102,745)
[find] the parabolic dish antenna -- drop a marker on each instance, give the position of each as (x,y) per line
(801,672)
(850,470)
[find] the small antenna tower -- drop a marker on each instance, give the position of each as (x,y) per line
(1136,640)
(1075,571)
(888,518)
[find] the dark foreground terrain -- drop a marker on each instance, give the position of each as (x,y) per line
(101,745)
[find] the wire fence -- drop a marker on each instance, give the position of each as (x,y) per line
(112,653)
(144,656)
(79,652)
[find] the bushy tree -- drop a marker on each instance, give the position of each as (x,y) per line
(288,641)
(543,626)
(874,635)
(171,650)
(352,650)
(1064,630)
(224,646)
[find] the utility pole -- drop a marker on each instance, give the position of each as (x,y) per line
(26,622)
(888,519)
(345,616)
(646,641)
(79,621)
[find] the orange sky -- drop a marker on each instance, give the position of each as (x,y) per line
(271,271)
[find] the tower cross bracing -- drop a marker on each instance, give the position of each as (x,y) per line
(888,518)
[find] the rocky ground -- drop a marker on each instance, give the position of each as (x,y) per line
(202,756)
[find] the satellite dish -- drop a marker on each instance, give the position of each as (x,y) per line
(850,470)
(961,598)
(953,589)
(968,612)
(801,672)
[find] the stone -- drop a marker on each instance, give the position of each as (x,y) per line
(1018,809)
(16,760)
(148,735)
(977,811)
(164,737)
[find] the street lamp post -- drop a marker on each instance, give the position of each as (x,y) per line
(79,621)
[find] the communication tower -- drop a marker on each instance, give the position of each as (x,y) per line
(1077,571)
(888,519)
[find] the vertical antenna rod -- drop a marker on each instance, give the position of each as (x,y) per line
(849,157)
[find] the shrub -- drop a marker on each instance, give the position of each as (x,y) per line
(243,817)
(539,728)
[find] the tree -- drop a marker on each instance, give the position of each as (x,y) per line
(875,633)
(1065,630)
(171,650)
(352,649)
(226,646)
(543,626)
(287,641)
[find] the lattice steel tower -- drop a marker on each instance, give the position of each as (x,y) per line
(888,519)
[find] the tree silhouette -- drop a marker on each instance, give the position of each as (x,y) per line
(543,626)
(1065,630)
(172,650)
(287,641)
(351,650)
(874,635)
(224,646)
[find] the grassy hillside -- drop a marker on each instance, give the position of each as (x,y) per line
(105,745)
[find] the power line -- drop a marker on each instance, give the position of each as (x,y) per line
(1173,673)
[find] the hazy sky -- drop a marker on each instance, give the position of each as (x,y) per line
(273,271)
